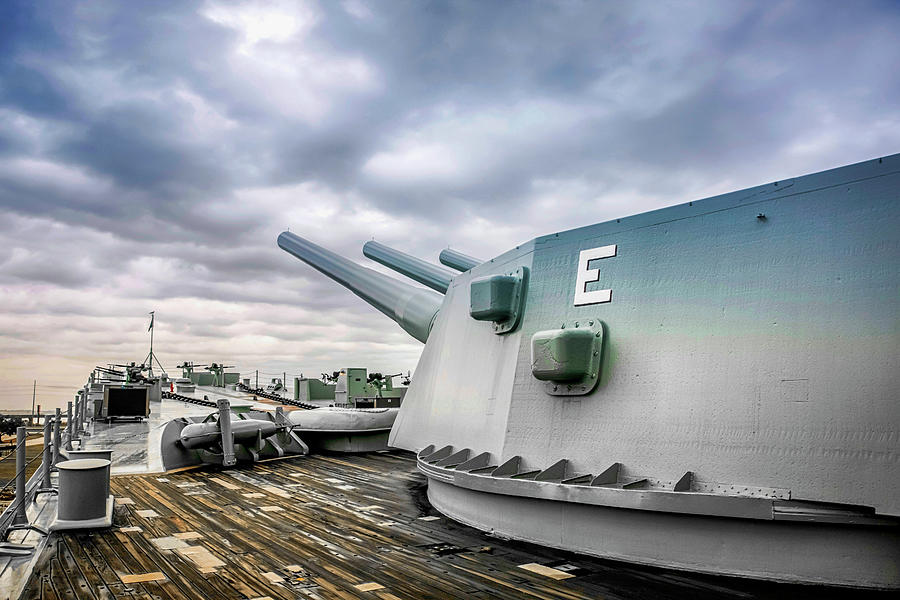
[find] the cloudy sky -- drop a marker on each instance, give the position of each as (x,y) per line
(150,153)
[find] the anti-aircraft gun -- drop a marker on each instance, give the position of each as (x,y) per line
(187,369)
(707,387)
(381,382)
(218,372)
(134,373)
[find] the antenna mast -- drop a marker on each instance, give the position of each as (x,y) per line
(151,356)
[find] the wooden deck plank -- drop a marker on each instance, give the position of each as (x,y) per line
(105,562)
(81,586)
(89,569)
(62,587)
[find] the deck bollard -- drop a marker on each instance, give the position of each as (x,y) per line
(84,498)
(57,438)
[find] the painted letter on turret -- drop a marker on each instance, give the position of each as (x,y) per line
(586,276)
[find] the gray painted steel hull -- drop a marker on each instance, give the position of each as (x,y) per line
(817,553)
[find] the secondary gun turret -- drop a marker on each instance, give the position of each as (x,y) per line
(412,308)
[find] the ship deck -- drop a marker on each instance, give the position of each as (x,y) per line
(320,526)
(327,526)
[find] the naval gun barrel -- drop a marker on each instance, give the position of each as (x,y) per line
(412,308)
(433,276)
(458,260)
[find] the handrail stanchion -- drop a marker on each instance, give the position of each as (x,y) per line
(20,518)
(46,463)
(69,426)
(80,421)
(57,438)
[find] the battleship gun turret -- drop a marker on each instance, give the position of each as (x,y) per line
(709,387)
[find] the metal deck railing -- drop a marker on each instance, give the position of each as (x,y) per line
(15,516)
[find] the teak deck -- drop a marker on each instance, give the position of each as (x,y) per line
(321,527)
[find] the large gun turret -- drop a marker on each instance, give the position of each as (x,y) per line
(412,308)
(722,373)
(429,275)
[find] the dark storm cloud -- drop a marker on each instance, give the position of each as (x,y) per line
(150,153)
(127,145)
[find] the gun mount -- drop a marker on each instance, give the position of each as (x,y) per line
(708,387)
(412,308)
(218,373)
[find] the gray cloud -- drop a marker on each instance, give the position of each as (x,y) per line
(150,153)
